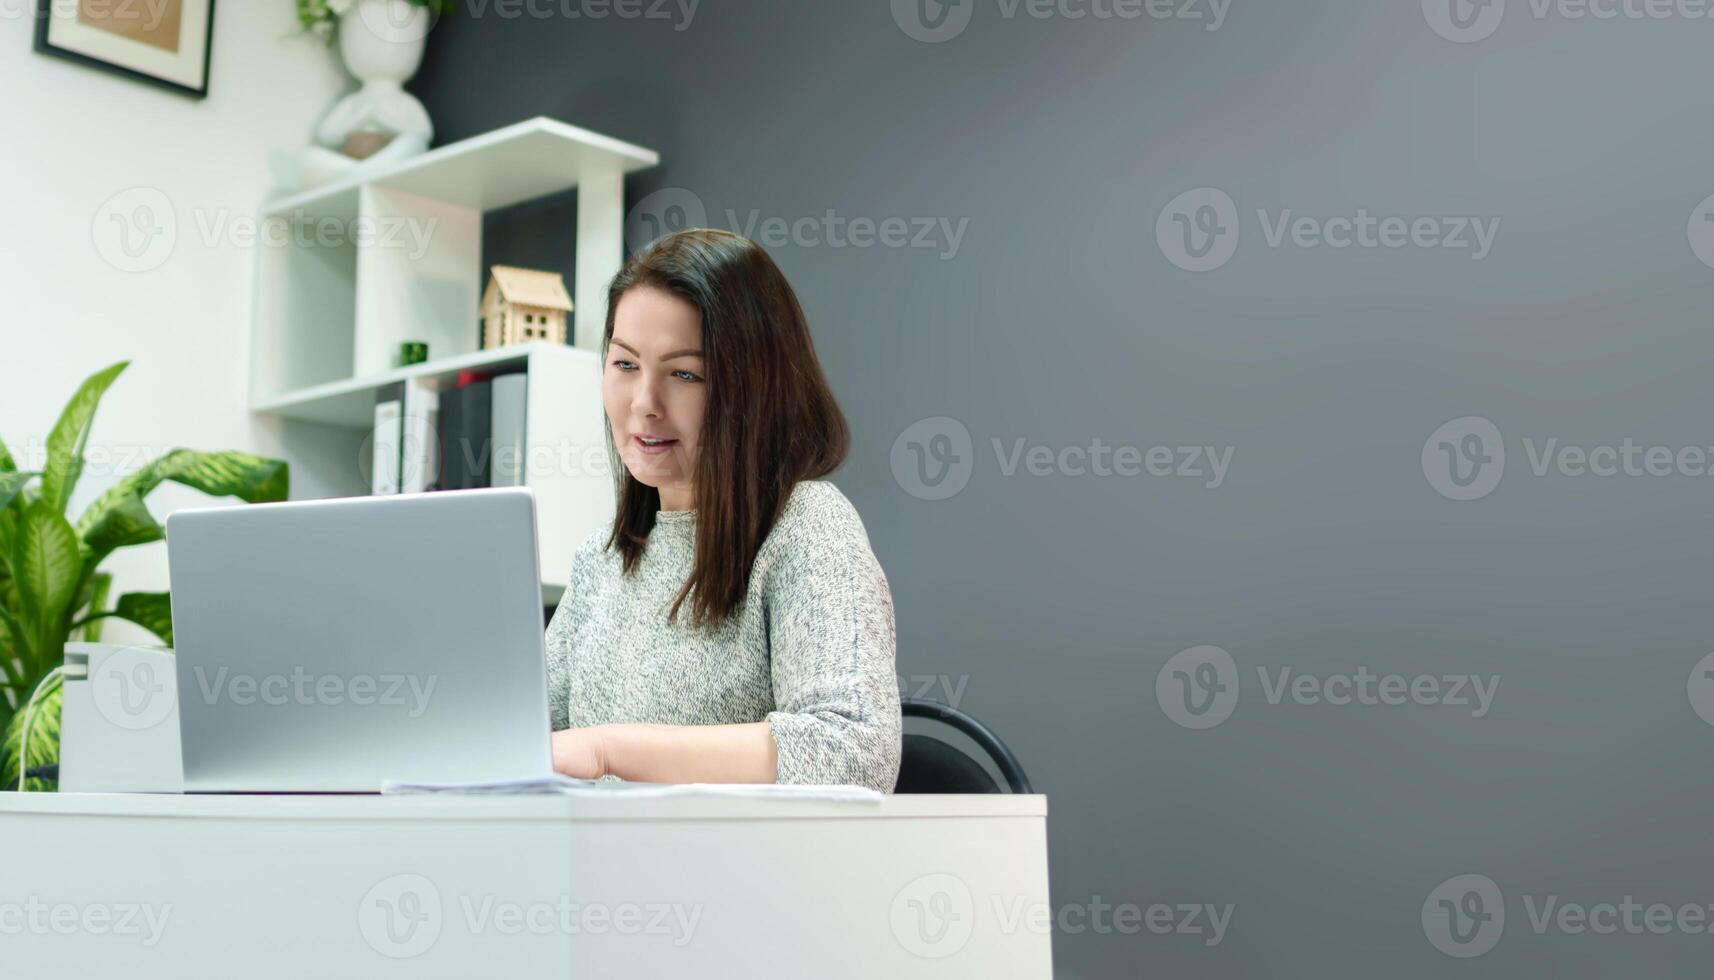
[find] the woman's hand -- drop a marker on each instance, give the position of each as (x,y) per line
(579,753)
(646,753)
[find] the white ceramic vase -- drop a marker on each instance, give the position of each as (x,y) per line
(384,39)
(381,43)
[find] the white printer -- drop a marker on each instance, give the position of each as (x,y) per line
(119,721)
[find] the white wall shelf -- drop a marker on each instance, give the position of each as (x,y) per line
(351,402)
(330,311)
(403,259)
(508,166)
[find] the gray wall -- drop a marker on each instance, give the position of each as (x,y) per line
(1057,600)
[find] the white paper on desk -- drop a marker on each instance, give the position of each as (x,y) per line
(500,787)
(566,785)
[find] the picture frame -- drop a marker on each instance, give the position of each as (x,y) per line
(165,43)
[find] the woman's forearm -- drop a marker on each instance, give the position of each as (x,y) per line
(689,753)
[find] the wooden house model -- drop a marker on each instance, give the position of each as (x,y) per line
(524,305)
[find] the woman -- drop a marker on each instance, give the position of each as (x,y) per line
(731,624)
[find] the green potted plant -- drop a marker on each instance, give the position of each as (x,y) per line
(51,589)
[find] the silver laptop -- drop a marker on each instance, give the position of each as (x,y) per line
(330,645)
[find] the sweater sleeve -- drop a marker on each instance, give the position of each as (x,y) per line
(832,648)
(559,673)
(567,621)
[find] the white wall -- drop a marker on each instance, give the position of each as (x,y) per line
(74,137)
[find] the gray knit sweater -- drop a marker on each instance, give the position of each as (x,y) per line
(810,650)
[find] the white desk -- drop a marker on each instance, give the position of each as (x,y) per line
(512,888)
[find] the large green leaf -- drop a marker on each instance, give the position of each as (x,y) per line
(151,610)
(9,512)
(93,599)
(11,642)
(8,530)
(47,565)
(70,433)
(8,588)
(126,523)
(252,479)
(44,737)
(6,463)
(11,483)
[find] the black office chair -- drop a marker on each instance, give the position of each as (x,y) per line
(934,765)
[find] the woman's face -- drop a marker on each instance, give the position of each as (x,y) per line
(653,388)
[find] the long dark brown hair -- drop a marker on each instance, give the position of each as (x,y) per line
(771,419)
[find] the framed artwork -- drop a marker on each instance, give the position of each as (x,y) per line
(161,42)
